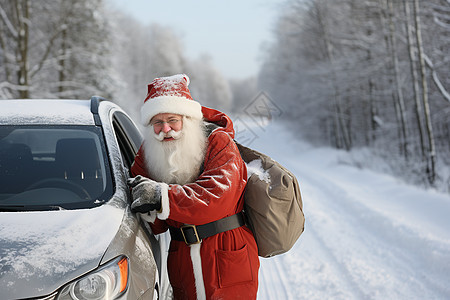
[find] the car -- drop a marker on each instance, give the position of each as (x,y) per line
(66,229)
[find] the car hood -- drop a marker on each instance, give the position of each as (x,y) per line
(41,251)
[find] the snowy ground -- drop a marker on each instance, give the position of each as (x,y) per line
(367,235)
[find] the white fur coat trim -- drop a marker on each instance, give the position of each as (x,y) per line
(165,207)
(198,274)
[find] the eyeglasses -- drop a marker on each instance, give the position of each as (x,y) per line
(170,122)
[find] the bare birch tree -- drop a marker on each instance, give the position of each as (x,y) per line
(414,76)
(398,96)
(431,152)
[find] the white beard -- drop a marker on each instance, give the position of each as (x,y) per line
(177,161)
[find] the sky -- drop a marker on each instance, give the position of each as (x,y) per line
(233,33)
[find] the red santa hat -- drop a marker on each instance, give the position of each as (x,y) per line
(170,95)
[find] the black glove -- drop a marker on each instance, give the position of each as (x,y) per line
(146,194)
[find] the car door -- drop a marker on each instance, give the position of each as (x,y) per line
(130,139)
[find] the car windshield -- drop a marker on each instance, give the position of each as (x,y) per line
(53,167)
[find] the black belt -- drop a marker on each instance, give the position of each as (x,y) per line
(192,234)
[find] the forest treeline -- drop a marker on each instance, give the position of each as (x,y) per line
(78,48)
(347,73)
(368,73)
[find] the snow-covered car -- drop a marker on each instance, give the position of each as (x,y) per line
(66,229)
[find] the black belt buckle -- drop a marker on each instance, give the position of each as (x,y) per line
(185,233)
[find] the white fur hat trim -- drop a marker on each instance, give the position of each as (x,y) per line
(170,104)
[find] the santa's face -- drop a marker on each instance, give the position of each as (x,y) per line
(164,123)
(174,148)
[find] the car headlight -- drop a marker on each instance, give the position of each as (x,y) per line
(108,282)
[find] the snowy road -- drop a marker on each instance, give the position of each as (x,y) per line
(367,235)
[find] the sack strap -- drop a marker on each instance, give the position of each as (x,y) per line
(192,234)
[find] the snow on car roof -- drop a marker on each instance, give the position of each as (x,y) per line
(45,111)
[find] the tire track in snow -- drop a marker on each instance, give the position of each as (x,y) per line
(273,281)
(343,274)
(375,253)
(277,279)
(403,249)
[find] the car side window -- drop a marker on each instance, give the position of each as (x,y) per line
(128,136)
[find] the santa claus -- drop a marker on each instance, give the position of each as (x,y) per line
(190,179)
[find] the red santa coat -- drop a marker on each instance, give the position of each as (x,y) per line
(223,266)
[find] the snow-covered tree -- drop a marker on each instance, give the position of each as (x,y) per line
(244,92)
(366,73)
(55,48)
(144,52)
(208,85)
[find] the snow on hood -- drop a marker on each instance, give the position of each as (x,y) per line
(53,243)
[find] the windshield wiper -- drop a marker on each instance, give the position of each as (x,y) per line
(12,208)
